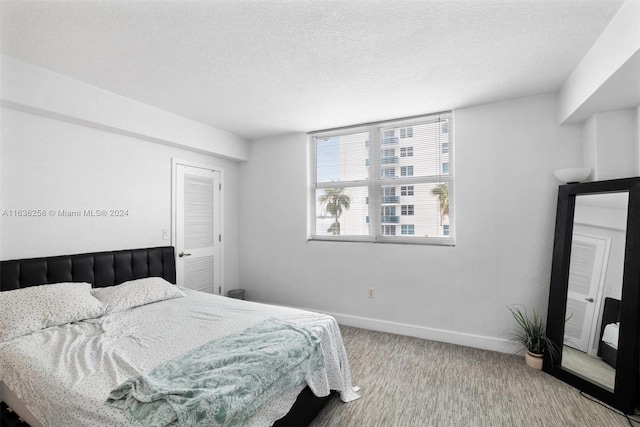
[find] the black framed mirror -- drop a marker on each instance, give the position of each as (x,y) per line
(594,299)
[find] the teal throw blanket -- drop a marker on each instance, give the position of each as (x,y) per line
(223,382)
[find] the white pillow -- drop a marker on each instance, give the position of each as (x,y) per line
(34,308)
(136,292)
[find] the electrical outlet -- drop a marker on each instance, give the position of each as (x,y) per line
(372,293)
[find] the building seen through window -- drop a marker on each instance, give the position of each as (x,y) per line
(392,179)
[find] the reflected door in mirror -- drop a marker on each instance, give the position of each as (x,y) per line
(595,274)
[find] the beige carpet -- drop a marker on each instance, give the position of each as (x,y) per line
(413,382)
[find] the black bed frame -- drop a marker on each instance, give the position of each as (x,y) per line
(112,268)
(610,314)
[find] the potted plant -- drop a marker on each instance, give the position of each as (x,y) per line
(531,334)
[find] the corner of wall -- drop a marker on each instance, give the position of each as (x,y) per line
(589,146)
(610,144)
(638,140)
(619,42)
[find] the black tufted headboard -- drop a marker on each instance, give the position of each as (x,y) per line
(98,268)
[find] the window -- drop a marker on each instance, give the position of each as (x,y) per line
(408,229)
(389,215)
(406,152)
(388,173)
(406,170)
(388,230)
(407,209)
(388,210)
(389,195)
(406,190)
(341,182)
(389,157)
(406,133)
(388,137)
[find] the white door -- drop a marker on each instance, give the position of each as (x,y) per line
(586,276)
(197,228)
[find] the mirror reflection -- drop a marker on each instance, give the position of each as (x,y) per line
(595,287)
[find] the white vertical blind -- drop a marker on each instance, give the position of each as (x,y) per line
(199,230)
(198,220)
(386,182)
(576,311)
(583,256)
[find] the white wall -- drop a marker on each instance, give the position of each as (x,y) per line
(67,145)
(601,66)
(505,211)
(51,164)
(610,141)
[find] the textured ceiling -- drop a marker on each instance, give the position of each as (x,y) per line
(260,68)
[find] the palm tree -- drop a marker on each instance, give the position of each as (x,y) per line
(335,200)
(442,191)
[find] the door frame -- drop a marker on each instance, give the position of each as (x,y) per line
(597,315)
(174,201)
(600,264)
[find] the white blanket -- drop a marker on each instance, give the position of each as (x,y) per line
(610,334)
(64,374)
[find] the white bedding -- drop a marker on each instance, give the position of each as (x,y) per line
(610,334)
(64,374)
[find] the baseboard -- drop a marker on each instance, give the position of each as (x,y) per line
(468,340)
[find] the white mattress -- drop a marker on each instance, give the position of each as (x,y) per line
(64,374)
(610,334)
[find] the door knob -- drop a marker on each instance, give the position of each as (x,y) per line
(589,299)
(181,254)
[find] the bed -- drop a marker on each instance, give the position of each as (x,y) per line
(609,331)
(107,350)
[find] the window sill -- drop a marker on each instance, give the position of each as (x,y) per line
(386,240)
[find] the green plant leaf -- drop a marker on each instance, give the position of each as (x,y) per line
(531,332)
